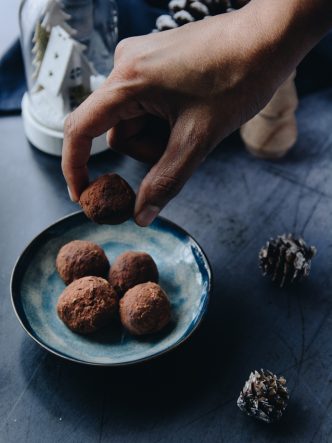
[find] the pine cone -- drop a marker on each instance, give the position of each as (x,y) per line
(237,4)
(187,11)
(196,9)
(286,259)
(216,6)
(264,396)
(165,22)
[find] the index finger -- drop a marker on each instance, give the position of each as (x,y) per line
(102,110)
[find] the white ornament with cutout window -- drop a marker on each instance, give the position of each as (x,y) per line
(61,64)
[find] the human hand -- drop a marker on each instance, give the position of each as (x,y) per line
(173,96)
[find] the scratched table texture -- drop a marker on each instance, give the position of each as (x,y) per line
(232,205)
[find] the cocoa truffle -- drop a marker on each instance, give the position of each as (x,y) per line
(87,304)
(80,258)
(145,309)
(108,200)
(130,269)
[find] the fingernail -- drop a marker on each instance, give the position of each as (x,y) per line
(147,215)
(70,195)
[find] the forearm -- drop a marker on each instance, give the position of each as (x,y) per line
(276,33)
(292,27)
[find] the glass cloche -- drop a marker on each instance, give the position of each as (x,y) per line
(68,48)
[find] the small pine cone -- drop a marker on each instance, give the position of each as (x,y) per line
(237,4)
(183,17)
(165,22)
(177,5)
(197,9)
(286,259)
(216,6)
(187,11)
(264,396)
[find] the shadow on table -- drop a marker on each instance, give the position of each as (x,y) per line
(200,377)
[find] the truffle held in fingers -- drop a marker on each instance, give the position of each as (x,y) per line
(108,200)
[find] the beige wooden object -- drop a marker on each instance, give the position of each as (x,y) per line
(273,131)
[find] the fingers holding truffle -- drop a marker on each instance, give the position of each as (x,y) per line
(87,304)
(108,200)
(130,269)
(145,309)
(80,258)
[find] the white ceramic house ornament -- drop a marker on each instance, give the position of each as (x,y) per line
(54,16)
(61,71)
(64,69)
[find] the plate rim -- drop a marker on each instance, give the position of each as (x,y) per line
(14,295)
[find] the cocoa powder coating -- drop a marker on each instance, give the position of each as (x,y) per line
(130,269)
(80,258)
(108,200)
(87,304)
(145,309)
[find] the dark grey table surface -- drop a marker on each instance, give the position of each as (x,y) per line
(232,205)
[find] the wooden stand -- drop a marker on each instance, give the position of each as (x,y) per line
(273,131)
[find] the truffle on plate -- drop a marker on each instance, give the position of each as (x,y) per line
(131,268)
(87,304)
(145,309)
(108,200)
(80,258)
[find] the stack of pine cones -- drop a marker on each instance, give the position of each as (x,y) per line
(182,12)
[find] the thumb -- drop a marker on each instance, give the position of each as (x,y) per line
(186,149)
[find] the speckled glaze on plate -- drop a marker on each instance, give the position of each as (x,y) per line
(184,273)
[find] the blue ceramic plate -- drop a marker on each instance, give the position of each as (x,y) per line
(184,273)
